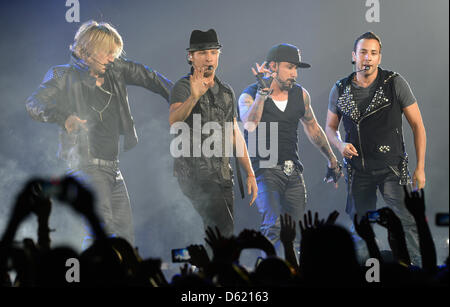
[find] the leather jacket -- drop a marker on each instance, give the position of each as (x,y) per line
(65,88)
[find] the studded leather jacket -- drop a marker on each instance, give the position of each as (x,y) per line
(376,132)
(64,90)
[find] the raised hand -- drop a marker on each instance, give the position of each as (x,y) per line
(186,270)
(308,223)
(77,195)
(332,217)
(287,232)
(396,235)
(261,73)
(261,69)
(199,83)
(389,220)
(32,199)
(363,228)
(415,202)
(223,248)
(199,256)
(249,238)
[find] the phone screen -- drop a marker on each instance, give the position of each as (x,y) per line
(180,255)
(258,261)
(373,216)
(441,219)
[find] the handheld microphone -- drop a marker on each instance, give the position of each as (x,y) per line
(364,69)
(109,66)
(210,67)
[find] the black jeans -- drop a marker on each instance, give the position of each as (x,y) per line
(362,197)
(112,201)
(279,194)
(213,201)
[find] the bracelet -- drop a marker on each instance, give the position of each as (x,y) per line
(264,93)
(250,175)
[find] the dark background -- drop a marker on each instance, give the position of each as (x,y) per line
(35,36)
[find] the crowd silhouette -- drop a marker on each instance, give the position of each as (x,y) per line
(327,253)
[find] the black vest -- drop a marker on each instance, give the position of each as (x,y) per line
(220,109)
(376,132)
(287,126)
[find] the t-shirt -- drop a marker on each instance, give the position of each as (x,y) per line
(179,93)
(104,131)
(363,96)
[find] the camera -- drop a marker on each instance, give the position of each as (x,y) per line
(373,216)
(180,255)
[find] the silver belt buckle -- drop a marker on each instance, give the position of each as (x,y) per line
(288,167)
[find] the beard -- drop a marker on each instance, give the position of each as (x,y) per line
(285,85)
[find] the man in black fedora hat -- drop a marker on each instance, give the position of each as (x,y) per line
(278,100)
(197,101)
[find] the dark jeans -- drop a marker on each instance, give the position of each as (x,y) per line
(279,194)
(213,201)
(362,197)
(112,201)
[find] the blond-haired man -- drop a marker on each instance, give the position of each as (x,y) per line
(88,99)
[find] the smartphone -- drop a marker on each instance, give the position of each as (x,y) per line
(46,188)
(51,188)
(441,219)
(373,216)
(180,255)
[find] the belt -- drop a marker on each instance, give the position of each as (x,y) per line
(288,167)
(101,162)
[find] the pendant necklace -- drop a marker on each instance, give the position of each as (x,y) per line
(107,104)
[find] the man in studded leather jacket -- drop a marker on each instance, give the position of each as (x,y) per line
(370,104)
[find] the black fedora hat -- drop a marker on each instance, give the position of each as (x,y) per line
(203,40)
(286,53)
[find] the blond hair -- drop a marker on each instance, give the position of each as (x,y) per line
(92,37)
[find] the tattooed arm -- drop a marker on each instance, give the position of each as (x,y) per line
(251,110)
(315,133)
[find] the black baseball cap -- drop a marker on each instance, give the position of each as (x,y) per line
(286,53)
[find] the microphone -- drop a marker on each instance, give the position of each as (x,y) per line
(109,66)
(210,67)
(364,69)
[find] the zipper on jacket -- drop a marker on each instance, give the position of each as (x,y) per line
(359,134)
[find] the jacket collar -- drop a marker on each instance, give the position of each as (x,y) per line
(82,67)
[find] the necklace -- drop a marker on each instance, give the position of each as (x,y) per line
(107,104)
